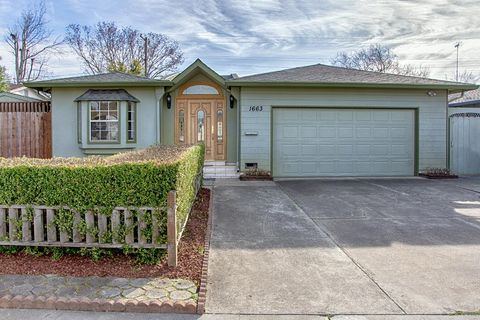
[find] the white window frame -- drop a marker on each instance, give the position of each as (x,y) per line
(90,121)
(132,110)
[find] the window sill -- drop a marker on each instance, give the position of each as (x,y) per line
(105,149)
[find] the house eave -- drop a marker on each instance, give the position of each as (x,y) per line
(48,85)
(451,88)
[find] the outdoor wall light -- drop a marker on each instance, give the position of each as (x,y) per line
(232,100)
(169,101)
(432,93)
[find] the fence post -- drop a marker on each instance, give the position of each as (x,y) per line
(172,228)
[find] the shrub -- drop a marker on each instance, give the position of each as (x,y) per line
(135,179)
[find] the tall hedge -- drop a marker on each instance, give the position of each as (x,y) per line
(134,179)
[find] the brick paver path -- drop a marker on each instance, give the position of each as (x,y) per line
(138,289)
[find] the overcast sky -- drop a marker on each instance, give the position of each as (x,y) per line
(254,36)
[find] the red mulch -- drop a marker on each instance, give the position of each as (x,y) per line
(189,259)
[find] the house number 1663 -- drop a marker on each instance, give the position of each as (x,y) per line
(255,108)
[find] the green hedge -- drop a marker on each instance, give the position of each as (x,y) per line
(134,179)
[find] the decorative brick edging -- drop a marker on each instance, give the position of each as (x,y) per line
(202,292)
(86,304)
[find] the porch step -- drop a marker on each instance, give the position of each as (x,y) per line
(219,170)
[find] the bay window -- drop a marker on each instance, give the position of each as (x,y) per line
(104,121)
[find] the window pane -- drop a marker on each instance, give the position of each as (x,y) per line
(219,125)
(94,106)
(181,126)
(104,121)
(200,126)
(200,89)
(131,119)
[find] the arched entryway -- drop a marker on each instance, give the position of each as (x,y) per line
(200,117)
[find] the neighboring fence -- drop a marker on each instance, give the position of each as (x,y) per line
(25,129)
(135,228)
(464,142)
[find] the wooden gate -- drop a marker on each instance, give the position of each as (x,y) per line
(465,143)
(25,129)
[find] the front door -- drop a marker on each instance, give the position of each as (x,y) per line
(202,121)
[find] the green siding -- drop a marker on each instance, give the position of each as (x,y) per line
(64,123)
(432,126)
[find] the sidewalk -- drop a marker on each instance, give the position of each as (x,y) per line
(10,314)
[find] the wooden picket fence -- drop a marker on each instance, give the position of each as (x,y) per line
(25,129)
(17,228)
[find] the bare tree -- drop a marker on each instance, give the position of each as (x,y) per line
(468,77)
(31,41)
(380,59)
(3,79)
(105,45)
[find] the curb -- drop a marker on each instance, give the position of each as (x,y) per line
(102,305)
(202,291)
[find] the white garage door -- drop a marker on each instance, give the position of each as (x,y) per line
(309,142)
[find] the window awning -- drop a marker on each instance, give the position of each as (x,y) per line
(107,95)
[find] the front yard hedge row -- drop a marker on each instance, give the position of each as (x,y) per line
(133,179)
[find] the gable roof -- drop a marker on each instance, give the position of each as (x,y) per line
(320,74)
(18,97)
(198,65)
(99,80)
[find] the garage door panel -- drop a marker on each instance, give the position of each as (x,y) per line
(309,150)
(308,132)
(290,132)
(334,142)
(327,132)
(380,115)
(326,168)
(398,133)
(326,149)
(345,150)
(344,115)
(381,132)
(380,150)
(363,116)
(345,132)
(363,132)
(327,115)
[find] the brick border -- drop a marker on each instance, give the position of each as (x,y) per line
(202,292)
(86,304)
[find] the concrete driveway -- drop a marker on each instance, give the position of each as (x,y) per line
(350,246)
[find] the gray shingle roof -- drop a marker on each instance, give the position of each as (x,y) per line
(99,80)
(102,77)
(470,97)
(320,73)
(107,95)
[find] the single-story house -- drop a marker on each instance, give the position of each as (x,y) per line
(310,121)
(13,97)
(29,93)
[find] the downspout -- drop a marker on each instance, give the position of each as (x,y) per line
(456,98)
(448,127)
(159,92)
(239,131)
